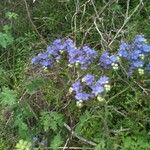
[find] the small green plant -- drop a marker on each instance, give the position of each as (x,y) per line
(11,15)
(23,145)
(6,37)
(8,97)
(51,120)
(56,142)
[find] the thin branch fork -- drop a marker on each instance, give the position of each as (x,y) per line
(127,18)
(79,137)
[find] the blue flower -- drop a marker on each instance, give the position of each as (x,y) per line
(90,53)
(97,89)
(137,64)
(145,49)
(122,51)
(103,80)
(77,87)
(84,56)
(73,55)
(43,60)
(88,79)
(69,44)
(35,60)
(139,39)
(106,60)
(82,96)
(134,55)
(46,63)
(58,44)
(52,51)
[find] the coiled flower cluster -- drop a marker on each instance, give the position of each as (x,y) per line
(136,54)
(88,88)
(76,56)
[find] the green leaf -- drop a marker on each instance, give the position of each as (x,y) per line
(100,146)
(23,130)
(6,28)
(5,39)
(11,15)
(23,145)
(34,85)
(56,142)
(51,120)
(8,97)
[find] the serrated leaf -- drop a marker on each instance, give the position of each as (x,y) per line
(56,142)
(22,127)
(5,39)
(23,145)
(8,97)
(51,120)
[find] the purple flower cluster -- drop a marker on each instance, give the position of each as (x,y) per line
(107,60)
(95,87)
(76,56)
(47,59)
(135,52)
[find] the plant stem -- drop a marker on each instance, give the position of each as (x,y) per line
(106,128)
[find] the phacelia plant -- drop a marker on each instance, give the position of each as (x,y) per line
(85,86)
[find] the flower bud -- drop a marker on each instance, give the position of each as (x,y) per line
(145,41)
(49,56)
(70,90)
(141,71)
(100,98)
(142,56)
(79,104)
(118,58)
(82,80)
(107,87)
(115,66)
(45,68)
(57,60)
(61,51)
(77,64)
(69,65)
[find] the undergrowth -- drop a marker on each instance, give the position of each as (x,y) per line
(37,111)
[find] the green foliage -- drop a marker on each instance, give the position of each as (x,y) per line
(51,120)
(33,86)
(11,15)
(135,143)
(6,38)
(8,97)
(3,144)
(89,126)
(23,145)
(56,142)
(100,146)
(45,104)
(22,127)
